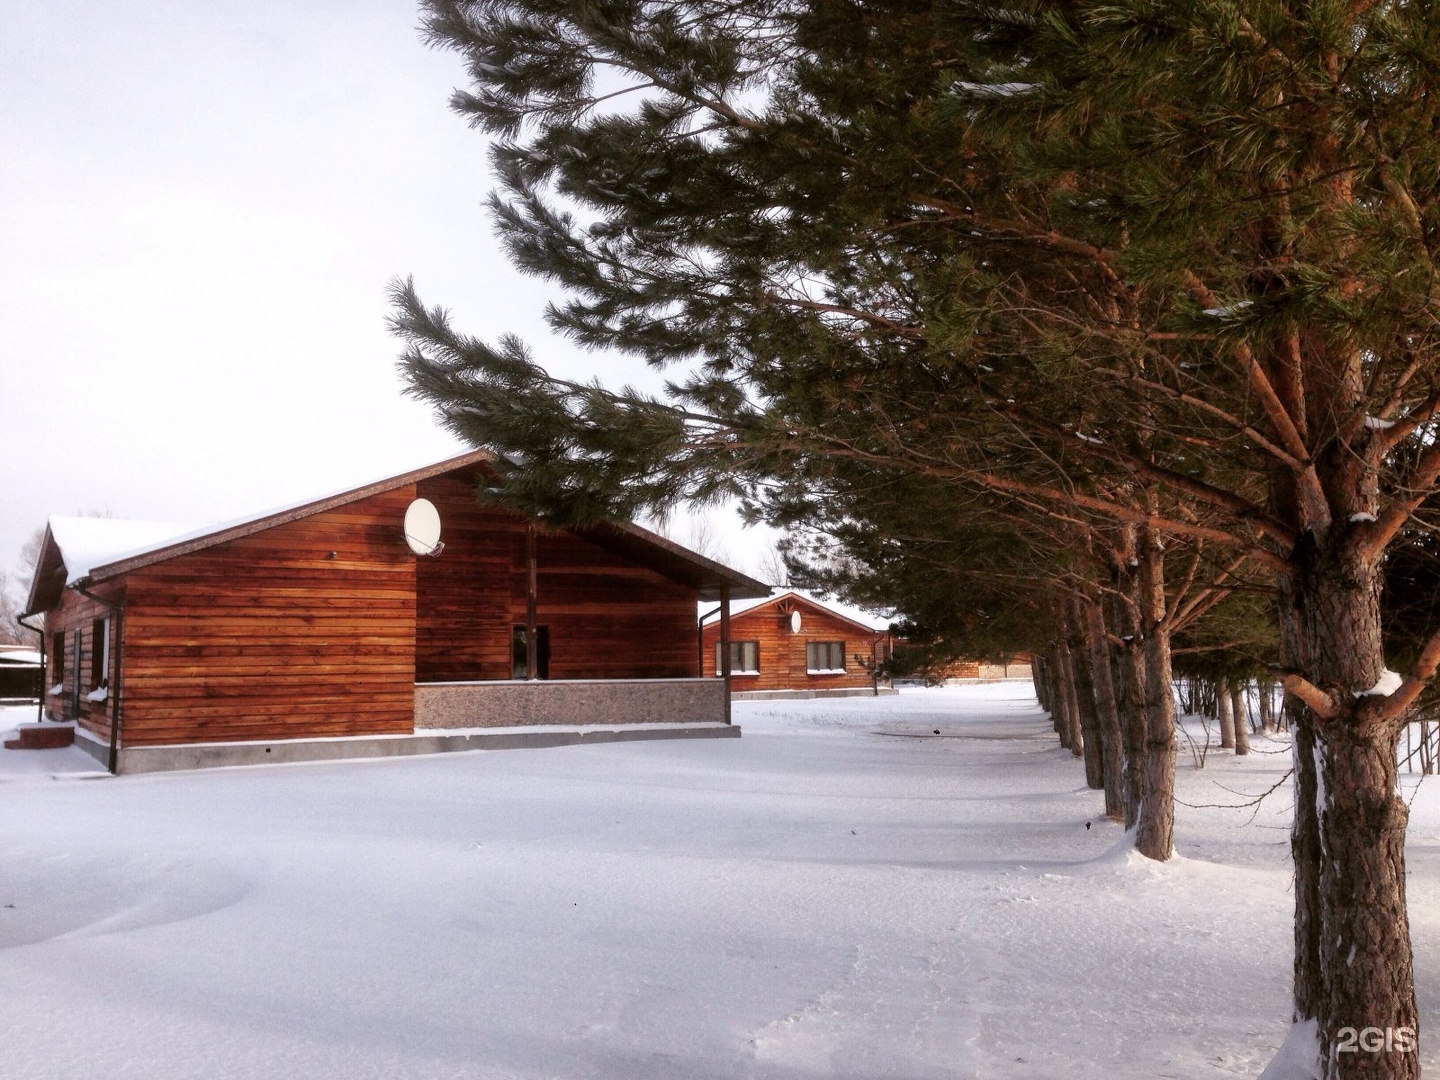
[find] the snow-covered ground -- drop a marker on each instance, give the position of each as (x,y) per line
(840,893)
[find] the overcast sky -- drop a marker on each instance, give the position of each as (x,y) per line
(201,205)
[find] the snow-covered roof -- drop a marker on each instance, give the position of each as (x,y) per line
(19,654)
(103,548)
(88,542)
(867,619)
(181,537)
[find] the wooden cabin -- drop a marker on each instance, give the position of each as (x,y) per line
(794,645)
(956,672)
(319,623)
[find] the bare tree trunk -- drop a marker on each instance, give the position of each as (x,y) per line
(1225,707)
(1242,719)
(1112,739)
(1154,834)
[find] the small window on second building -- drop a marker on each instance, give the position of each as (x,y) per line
(744,658)
(824,657)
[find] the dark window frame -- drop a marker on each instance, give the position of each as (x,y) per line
(819,654)
(738,649)
(100,653)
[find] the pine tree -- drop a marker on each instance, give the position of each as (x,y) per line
(1165,268)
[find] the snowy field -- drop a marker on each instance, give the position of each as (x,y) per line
(840,893)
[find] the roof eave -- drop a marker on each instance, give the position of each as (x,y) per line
(38,578)
(741,586)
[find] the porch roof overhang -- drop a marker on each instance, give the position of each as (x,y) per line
(707,577)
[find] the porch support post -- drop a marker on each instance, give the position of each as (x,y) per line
(725,645)
(44,680)
(532,658)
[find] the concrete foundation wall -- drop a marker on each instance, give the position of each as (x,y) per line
(146,759)
(1005,671)
(439,706)
(801,695)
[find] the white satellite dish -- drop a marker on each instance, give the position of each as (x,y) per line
(422,527)
(794,622)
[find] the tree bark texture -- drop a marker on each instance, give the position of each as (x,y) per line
(1154,834)
(1364,962)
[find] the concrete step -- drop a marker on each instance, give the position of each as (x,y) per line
(41,737)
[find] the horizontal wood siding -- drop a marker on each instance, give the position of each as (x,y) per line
(303,630)
(609,618)
(782,653)
(464,595)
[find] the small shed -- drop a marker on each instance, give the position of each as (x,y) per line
(794,645)
(316,630)
(20,673)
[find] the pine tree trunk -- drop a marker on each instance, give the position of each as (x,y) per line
(1130,683)
(1073,737)
(1265,691)
(1154,834)
(1060,714)
(1037,679)
(1111,736)
(1225,708)
(1085,697)
(1365,972)
(1242,719)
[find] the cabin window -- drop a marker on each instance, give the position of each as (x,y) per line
(100,653)
(825,657)
(520,653)
(744,658)
(57,656)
